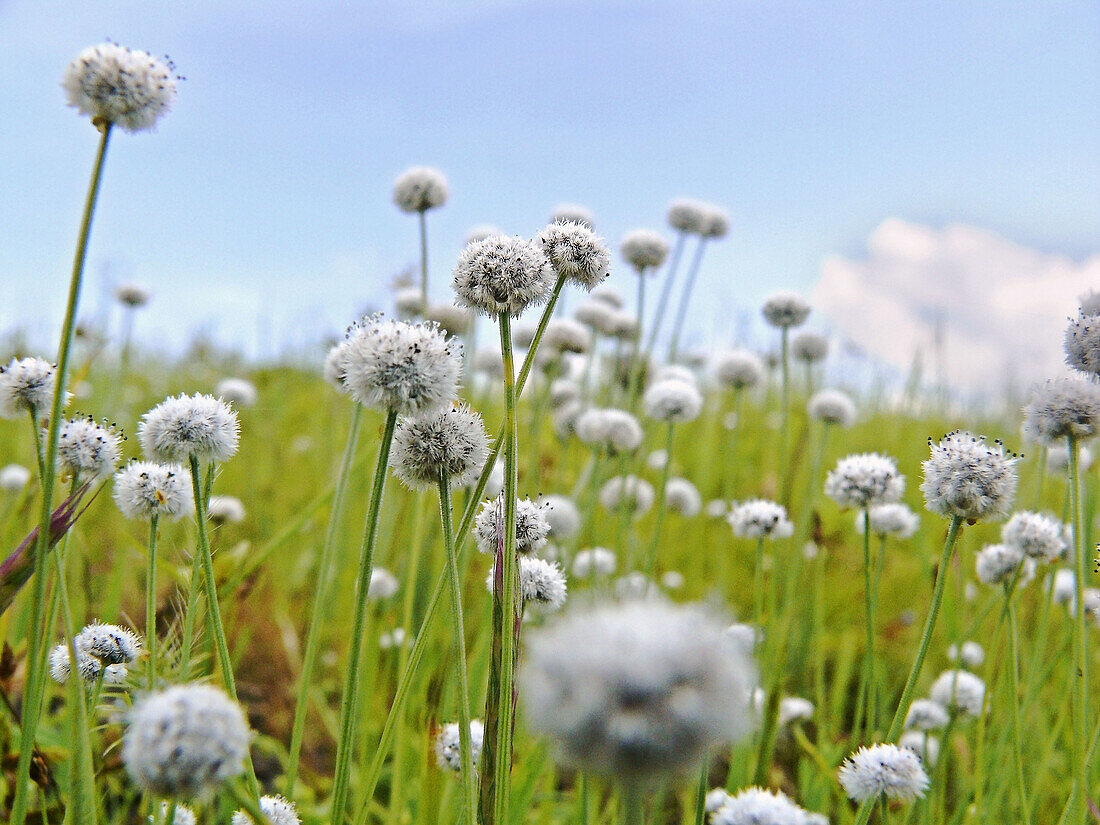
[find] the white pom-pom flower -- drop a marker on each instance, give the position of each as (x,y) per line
(572,213)
(1082,343)
(739,369)
(133,295)
(237,391)
(864,480)
(832,407)
(502,275)
(540,582)
(630,492)
(959,690)
(189,426)
(1038,536)
(784,310)
(562,515)
(968,478)
(595,561)
(120,86)
(143,489)
(925,714)
(87,450)
(419,189)
(26,386)
(225,510)
(687,215)
(883,770)
(672,400)
(890,520)
(452,443)
(14,477)
(532,527)
(643,249)
(448,754)
(809,347)
(278,810)
(576,252)
(1063,408)
(681,496)
(970,654)
(759,518)
(924,745)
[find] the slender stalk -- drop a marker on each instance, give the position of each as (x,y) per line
(499,709)
(869,611)
(785,412)
(423,258)
(685,299)
(151,603)
(662,498)
(469,779)
(1079,809)
(349,703)
(320,601)
(1015,702)
(637,364)
(758,586)
(32,704)
(666,292)
(633,805)
(701,793)
(186,642)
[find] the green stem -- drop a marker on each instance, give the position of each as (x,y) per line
(662,498)
(1080,662)
(187,639)
(701,793)
(1015,702)
(151,603)
(785,403)
(469,779)
(637,365)
(666,293)
(685,299)
(868,721)
(633,805)
(758,586)
(423,260)
(349,704)
(32,705)
(320,600)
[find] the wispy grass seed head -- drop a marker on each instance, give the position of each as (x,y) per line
(87,450)
(576,252)
(278,810)
(864,480)
(144,489)
(1063,408)
(27,385)
(883,770)
(451,442)
(532,527)
(419,189)
(503,275)
(448,754)
(643,249)
(784,310)
(969,478)
(832,407)
(116,85)
(759,518)
(672,400)
(186,426)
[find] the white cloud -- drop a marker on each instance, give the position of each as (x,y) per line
(1002,307)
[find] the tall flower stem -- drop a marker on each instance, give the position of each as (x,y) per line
(499,709)
(423,257)
(1015,702)
(1080,660)
(469,780)
(325,569)
(633,805)
(662,498)
(349,703)
(666,292)
(637,364)
(32,703)
(151,603)
(785,413)
(685,299)
(868,689)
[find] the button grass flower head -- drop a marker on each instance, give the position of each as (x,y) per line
(333,369)
(1063,408)
(503,275)
(1058,458)
(599,316)
(832,407)
(595,561)
(453,320)
(225,510)
(572,213)
(608,295)
(681,496)
(879,770)
(616,431)
(564,391)
(90,668)
(184,815)
(865,479)
(111,644)
(1063,587)
(673,400)
(120,86)
(1039,537)
(237,391)
(643,249)
(795,709)
(923,745)
(383,584)
(809,347)
(576,252)
(971,654)
(419,189)
(189,426)
(133,295)
(540,582)
(687,215)
(27,386)
(277,809)
(959,690)
(969,478)
(562,515)
(1082,343)
(716,223)
(624,326)
(87,450)
(185,741)
(758,518)
(447,753)
(452,442)
(739,369)
(532,526)
(143,489)
(565,335)
(633,493)
(639,690)
(14,477)
(754,806)
(926,714)
(715,799)
(400,367)
(784,310)
(890,520)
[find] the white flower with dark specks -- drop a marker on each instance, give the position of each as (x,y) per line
(888,770)
(452,442)
(576,252)
(186,426)
(1063,408)
(87,450)
(759,518)
(117,85)
(27,385)
(503,275)
(419,189)
(969,478)
(144,489)
(864,480)
(785,310)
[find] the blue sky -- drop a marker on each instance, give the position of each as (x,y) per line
(265,193)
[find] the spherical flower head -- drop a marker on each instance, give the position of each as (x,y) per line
(959,691)
(637,690)
(133,295)
(502,275)
(277,810)
(419,189)
(969,478)
(888,770)
(14,477)
(678,371)
(189,426)
(565,335)
(809,347)
(111,644)
(1063,587)
(864,480)
(596,561)
(184,815)
(185,741)
(225,510)
(759,518)
(87,450)
(599,316)
(532,527)
(408,302)
(1038,536)
(573,213)
(716,223)
(832,407)
(483,231)
(615,431)
(924,746)
(681,496)
(576,252)
(448,754)
(1082,343)
(1063,408)
(333,369)
(630,492)
(715,799)
(453,320)
(970,654)
(383,584)
(1090,302)
(609,295)
(997,563)
(400,367)
(924,714)
(120,86)
(795,709)
(239,392)
(890,520)
(60,664)
(624,326)
(562,515)
(643,249)
(687,215)
(785,310)
(451,443)
(758,806)
(540,582)
(26,386)
(143,489)
(564,391)
(672,400)
(739,369)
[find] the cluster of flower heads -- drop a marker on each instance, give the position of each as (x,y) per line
(969,478)
(532,526)
(756,806)
(102,651)
(692,217)
(120,86)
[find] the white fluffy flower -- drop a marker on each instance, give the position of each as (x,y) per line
(576,252)
(864,480)
(400,367)
(1058,458)
(383,584)
(599,316)
(672,400)
(1038,536)
(452,319)
(14,477)
(968,478)
(716,223)
(562,514)
(1063,586)
(1082,343)
(408,302)
(225,510)
(809,347)
(631,492)
(924,745)
(997,563)
(89,667)
(681,496)
(184,815)
(540,582)
(452,442)
(890,520)
(565,335)
(237,391)
(687,215)
(143,489)
(596,561)
(277,809)
(185,741)
(532,528)
(795,709)
(959,690)
(447,747)
(111,644)
(116,85)
(608,295)
(186,426)
(419,189)
(87,450)
(832,407)
(888,770)
(637,690)
(27,385)
(133,295)
(616,431)
(971,653)
(739,369)
(643,249)
(785,310)
(758,806)
(925,714)
(758,518)
(564,391)
(1063,408)
(502,275)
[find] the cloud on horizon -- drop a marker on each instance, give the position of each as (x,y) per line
(1001,307)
